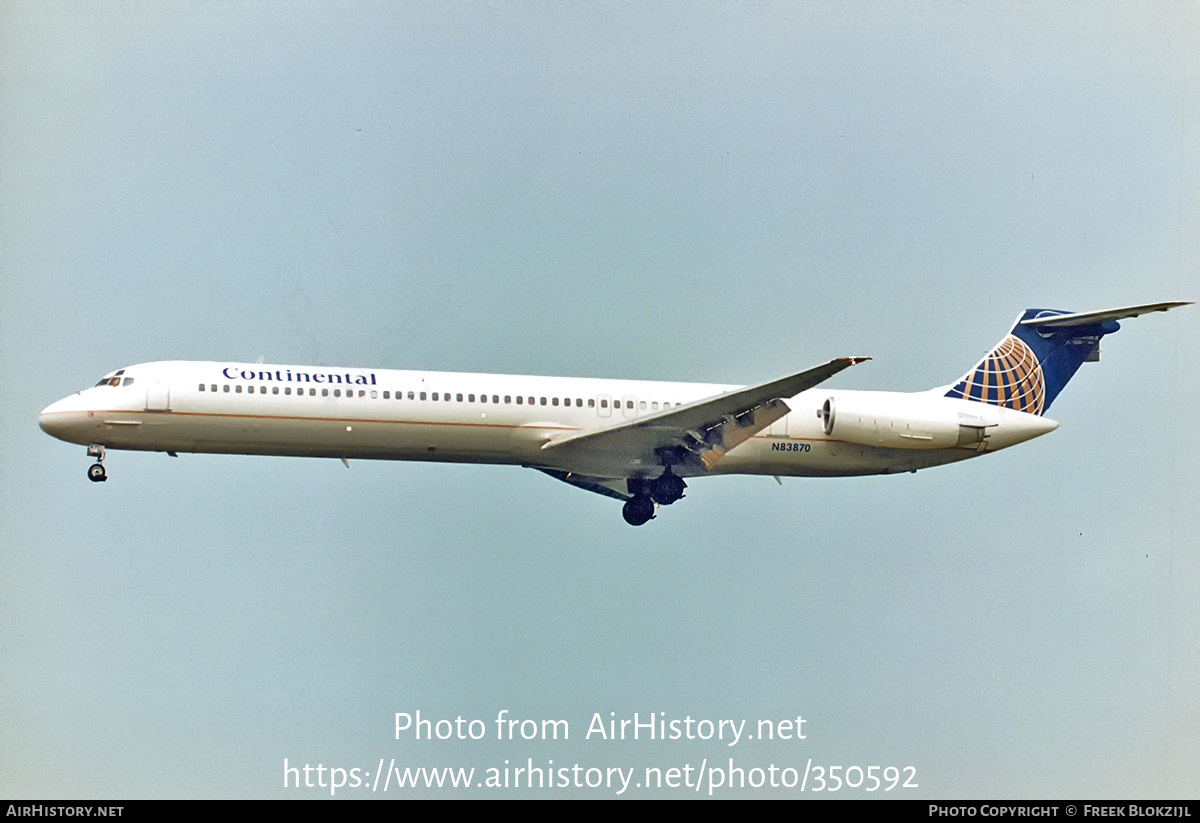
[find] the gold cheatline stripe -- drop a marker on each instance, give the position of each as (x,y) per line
(311,419)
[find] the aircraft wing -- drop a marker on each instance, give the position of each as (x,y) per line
(600,485)
(701,431)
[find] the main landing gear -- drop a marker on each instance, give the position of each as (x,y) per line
(96,471)
(638,510)
(664,491)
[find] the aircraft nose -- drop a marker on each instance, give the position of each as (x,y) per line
(46,419)
(54,420)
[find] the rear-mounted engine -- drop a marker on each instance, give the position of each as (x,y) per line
(900,424)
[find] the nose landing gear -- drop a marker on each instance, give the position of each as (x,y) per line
(96,471)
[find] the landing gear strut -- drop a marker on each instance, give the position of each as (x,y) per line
(96,471)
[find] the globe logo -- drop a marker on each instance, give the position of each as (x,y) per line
(1010,376)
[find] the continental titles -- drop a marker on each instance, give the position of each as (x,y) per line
(289,376)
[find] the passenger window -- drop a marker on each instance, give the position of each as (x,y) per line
(274,390)
(543,401)
(591,403)
(337,392)
(212,387)
(238,389)
(287,389)
(553,401)
(375,395)
(201,387)
(520,400)
(324,392)
(470,398)
(604,404)
(496,398)
(458,397)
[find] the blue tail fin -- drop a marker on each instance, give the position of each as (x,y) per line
(1028,368)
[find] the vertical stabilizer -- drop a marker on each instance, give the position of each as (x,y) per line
(1028,368)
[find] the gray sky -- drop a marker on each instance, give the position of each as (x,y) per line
(719,193)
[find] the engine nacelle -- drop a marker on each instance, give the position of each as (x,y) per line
(900,422)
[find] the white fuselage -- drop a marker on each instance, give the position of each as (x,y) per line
(237,408)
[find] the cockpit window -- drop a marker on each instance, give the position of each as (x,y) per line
(128,381)
(114,379)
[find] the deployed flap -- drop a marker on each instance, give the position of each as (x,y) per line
(705,428)
(1091,318)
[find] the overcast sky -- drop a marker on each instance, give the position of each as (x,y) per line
(717,192)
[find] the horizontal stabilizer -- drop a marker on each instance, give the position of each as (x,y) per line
(1092,318)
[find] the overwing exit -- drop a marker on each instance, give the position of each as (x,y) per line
(636,441)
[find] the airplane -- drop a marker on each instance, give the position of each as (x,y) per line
(633,440)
